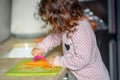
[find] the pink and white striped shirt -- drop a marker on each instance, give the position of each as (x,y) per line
(81,54)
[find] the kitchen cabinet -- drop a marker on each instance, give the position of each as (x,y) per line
(5,12)
(23,20)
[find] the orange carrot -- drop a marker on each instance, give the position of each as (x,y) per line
(41,63)
(39,39)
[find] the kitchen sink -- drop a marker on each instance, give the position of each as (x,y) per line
(23,50)
(19,50)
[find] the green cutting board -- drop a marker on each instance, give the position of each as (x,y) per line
(20,70)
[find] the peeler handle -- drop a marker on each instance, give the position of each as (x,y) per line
(38,57)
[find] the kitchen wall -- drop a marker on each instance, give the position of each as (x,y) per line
(17,17)
(23,22)
(5,12)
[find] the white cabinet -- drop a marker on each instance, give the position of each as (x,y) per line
(23,23)
(5,8)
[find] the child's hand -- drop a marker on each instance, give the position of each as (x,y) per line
(36,51)
(51,61)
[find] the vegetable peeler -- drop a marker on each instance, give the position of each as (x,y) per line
(38,57)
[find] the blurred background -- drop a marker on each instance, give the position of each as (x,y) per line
(20,25)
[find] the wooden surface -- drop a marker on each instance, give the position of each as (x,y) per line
(7,63)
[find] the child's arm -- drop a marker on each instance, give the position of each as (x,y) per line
(80,56)
(49,42)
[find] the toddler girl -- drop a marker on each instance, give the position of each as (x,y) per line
(80,51)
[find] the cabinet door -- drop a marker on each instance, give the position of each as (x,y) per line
(23,19)
(5,10)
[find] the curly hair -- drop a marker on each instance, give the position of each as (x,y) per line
(61,14)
